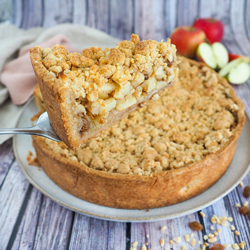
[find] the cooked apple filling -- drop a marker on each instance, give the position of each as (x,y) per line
(113,79)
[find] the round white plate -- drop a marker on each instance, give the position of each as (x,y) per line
(236,172)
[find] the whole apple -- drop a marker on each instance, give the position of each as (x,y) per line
(187,40)
(214,29)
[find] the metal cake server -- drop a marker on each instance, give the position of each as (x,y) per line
(42,128)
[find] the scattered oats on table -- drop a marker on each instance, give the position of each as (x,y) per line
(162,242)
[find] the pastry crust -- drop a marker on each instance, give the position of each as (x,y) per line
(159,188)
(134,191)
(86,93)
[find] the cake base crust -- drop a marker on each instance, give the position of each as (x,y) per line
(135,192)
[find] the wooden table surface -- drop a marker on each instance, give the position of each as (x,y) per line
(30,220)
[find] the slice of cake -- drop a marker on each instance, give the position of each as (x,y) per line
(87,93)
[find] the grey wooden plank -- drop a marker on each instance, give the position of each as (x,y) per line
(187,12)
(91,233)
(12,195)
(16,243)
(247,17)
(56,12)
(121,19)
(151,232)
(207,9)
(237,21)
(25,237)
(53,227)
(79,12)
(33,12)
(116,235)
(6,158)
(170,10)
(17,12)
(149,19)
(98,14)
(80,232)
(223,14)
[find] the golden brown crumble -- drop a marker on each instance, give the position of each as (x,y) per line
(32,160)
(195,118)
(112,79)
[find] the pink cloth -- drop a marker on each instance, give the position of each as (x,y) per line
(18,75)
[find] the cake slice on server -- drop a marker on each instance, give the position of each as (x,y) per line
(87,93)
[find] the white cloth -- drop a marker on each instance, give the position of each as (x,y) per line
(12,39)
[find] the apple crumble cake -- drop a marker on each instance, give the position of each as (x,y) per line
(166,152)
(87,93)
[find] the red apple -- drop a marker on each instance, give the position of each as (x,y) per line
(187,40)
(214,29)
(235,56)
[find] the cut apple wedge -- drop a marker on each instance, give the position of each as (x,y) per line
(205,54)
(221,54)
(228,67)
(239,74)
(215,55)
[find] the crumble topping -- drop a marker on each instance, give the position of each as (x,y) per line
(112,79)
(194,118)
